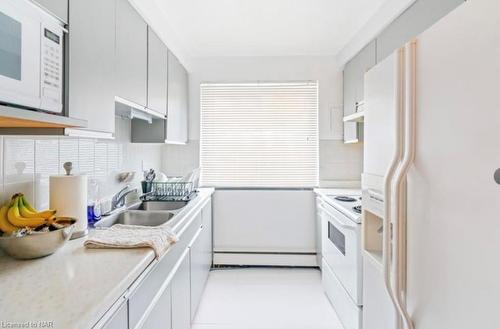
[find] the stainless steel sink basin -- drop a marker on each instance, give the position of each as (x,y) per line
(136,217)
(162,205)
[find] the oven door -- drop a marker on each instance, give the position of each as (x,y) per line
(19,53)
(341,244)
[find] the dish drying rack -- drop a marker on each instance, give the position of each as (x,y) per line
(167,191)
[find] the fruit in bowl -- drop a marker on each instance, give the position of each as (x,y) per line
(19,214)
(28,233)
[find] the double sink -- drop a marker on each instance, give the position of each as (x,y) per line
(147,213)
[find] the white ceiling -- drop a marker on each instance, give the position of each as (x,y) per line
(206,28)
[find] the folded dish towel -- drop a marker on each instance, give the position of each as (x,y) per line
(158,238)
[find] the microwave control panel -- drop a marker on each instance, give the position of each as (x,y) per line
(52,69)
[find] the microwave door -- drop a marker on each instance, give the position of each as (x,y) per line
(19,54)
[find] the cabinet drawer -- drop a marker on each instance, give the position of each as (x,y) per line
(141,298)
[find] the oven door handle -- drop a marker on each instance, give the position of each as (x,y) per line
(338,222)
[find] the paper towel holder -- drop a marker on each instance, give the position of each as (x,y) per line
(81,230)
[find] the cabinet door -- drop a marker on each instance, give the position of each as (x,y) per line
(208,244)
(177,114)
(366,59)
(91,63)
(318,233)
(57,7)
(354,74)
(197,270)
(131,54)
(181,295)
(157,73)
(161,315)
(350,128)
(201,258)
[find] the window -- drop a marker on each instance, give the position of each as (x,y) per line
(259,134)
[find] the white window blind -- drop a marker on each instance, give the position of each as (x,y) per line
(259,134)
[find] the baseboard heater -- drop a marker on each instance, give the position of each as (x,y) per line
(243,258)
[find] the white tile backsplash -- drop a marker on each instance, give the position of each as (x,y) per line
(46,165)
(28,162)
(19,167)
(68,152)
(100,160)
(85,157)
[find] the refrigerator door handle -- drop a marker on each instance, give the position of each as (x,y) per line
(395,163)
(399,227)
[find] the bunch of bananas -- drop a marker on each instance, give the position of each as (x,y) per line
(18,213)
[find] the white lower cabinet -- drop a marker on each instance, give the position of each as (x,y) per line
(167,295)
(161,315)
(201,258)
(319,255)
(181,295)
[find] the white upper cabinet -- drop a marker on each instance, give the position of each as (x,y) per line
(157,73)
(354,73)
(91,63)
(58,8)
(175,129)
(177,113)
(131,54)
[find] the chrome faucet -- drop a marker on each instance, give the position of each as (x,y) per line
(118,199)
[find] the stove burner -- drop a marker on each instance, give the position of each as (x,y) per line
(345,198)
(357,209)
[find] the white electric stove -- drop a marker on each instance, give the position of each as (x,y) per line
(341,260)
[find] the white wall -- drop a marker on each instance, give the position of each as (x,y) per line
(267,214)
(339,163)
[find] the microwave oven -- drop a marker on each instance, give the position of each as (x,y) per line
(31,57)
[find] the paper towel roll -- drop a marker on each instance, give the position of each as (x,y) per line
(68,195)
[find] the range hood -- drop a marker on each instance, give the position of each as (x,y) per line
(131,110)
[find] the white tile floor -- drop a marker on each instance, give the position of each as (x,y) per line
(265,298)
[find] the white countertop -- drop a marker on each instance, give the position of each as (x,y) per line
(75,286)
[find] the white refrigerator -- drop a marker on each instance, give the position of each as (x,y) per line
(431,231)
